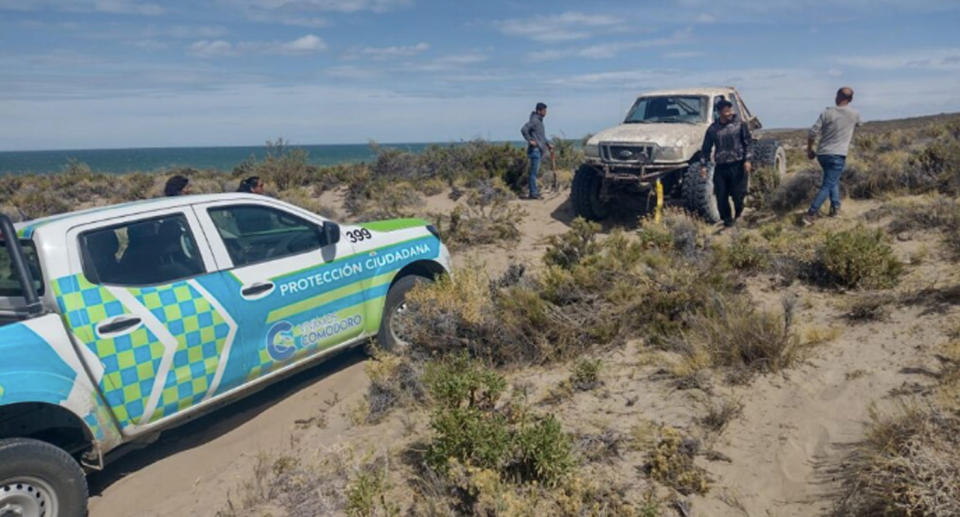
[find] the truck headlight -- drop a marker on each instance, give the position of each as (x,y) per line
(670,154)
(591,150)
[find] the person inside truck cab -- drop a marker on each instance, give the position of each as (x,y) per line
(252,185)
(177,186)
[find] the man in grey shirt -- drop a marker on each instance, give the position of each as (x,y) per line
(537,144)
(835,128)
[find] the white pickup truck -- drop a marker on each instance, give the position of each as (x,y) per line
(121,321)
(660,139)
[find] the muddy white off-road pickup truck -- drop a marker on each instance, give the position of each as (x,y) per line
(660,139)
(119,322)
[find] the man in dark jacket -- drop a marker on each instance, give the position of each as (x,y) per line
(537,144)
(731,175)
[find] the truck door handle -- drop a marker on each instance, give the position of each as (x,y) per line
(118,325)
(256,289)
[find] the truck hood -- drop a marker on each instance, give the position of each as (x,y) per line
(664,135)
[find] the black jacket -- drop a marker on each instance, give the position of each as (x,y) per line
(731,140)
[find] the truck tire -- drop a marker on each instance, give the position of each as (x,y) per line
(768,152)
(585,194)
(38,479)
(698,194)
(395,304)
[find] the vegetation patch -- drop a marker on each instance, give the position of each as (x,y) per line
(859,258)
(471,426)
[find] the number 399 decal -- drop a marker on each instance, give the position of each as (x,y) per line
(359,235)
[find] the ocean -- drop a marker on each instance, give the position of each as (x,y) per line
(153,159)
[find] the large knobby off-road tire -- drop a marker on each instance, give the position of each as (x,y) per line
(390,336)
(768,152)
(585,194)
(698,193)
(40,480)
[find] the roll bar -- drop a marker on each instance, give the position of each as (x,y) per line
(19,263)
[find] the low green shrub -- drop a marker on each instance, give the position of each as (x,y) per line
(858,258)
(585,374)
(470,428)
(733,333)
(567,249)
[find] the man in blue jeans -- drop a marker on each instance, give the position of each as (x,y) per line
(835,128)
(537,144)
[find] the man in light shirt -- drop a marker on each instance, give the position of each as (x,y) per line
(835,128)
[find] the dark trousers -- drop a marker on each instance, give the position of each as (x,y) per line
(730,181)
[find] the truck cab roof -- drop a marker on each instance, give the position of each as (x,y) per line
(60,223)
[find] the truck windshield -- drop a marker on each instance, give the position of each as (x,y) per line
(668,108)
(9,283)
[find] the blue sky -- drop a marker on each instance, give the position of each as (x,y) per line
(141,73)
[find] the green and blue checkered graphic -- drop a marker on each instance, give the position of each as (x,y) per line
(130,362)
(201,333)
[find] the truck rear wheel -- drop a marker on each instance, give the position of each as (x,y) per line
(698,193)
(585,194)
(769,153)
(38,479)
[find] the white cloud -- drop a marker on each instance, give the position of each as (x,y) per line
(313,22)
(684,54)
(448,62)
(150,44)
(391,51)
(946,59)
(303,13)
(609,50)
(128,7)
(568,26)
(352,72)
(309,44)
(206,48)
(104,6)
(304,45)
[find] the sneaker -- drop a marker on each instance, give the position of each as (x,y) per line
(834,211)
(534,196)
(808,218)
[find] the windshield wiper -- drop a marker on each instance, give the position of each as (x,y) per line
(638,122)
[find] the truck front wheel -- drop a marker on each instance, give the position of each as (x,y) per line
(698,193)
(38,479)
(585,194)
(390,337)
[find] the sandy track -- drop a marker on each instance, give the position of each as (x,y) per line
(190,469)
(795,430)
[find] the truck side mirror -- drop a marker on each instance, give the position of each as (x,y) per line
(754,123)
(331,233)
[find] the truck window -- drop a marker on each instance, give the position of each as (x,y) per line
(152,251)
(9,283)
(667,108)
(254,233)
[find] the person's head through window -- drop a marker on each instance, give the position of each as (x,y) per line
(725,110)
(253,185)
(177,186)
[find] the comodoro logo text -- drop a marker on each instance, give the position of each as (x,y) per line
(349,269)
(284,338)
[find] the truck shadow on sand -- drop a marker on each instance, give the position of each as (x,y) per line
(211,426)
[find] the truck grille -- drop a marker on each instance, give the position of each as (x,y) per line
(627,153)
